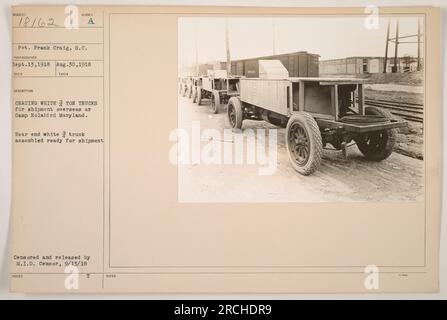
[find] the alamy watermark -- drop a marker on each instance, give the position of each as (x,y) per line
(230,147)
(371,281)
(72,279)
(71,17)
(372,18)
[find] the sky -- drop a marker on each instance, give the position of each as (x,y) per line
(330,37)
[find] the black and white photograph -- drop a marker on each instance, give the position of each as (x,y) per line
(224,151)
(300,109)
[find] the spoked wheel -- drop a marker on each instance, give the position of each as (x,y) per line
(234,113)
(304,145)
(377,145)
(299,144)
(215,102)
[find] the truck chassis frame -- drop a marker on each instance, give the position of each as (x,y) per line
(217,90)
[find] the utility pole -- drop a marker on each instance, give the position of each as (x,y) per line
(403,39)
(419,45)
(385,61)
(227,46)
(196,48)
(396,45)
(273,37)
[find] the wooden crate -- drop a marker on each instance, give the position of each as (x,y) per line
(265,93)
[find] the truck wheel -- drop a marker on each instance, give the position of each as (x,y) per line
(304,144)
(377,145)
(234,112)
(215,102)
(199,95)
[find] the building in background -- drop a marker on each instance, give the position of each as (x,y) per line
(298,64)
(304,64)
(366,65)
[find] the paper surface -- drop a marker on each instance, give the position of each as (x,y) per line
(99,205)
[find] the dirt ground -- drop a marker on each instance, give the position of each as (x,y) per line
(397,96)
(398,88)
(398,178)
(406,78)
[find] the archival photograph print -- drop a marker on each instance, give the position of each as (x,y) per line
(300,109)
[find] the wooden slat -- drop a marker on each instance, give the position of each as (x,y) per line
(361,99)
(301,96)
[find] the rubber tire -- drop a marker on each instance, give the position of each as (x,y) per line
(199,96)
(390,135)
(235,103)
(215,102)
(308,123)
